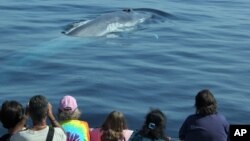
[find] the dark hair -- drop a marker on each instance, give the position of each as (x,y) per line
(154,125)
(205,103)
(38,107)
(11,113)
(113,126)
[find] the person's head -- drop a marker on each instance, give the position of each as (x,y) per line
(205,103)
(115,121)
(11,113)
(68,108)
(113,127)
(154,125)
(38,108)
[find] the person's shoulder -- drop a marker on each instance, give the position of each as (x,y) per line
(136,136)
(59,134)
(127,133)
(18,135)
(95,130)
(95,134)
(81,122)
(22,132)
(58,129)
(221,117)
(192,117)
(84,122)
(75,121)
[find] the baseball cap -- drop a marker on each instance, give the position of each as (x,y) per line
(68,103)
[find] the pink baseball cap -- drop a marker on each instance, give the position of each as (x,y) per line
(68,103)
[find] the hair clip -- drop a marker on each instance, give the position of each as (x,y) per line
(151,125)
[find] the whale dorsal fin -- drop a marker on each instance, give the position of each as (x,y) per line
(127,10)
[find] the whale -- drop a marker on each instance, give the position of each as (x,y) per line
(113,22)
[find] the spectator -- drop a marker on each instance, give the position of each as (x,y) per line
(206,124)
(153,128)
(11,114)
(114,128)
(39,109)
(69,114)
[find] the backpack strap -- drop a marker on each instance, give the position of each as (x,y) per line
(50,134)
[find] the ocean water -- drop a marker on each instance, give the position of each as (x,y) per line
(162,65)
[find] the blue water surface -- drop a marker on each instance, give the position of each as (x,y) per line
(162,65)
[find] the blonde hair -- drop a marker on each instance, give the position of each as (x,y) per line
(67,115)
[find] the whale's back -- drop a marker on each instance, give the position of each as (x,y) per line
(109,23)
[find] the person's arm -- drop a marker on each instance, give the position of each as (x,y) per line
(52,118)
(21,124)
(183,130)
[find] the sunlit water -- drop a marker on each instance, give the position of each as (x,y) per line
(161,65)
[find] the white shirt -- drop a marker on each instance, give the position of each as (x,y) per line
(41,135)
